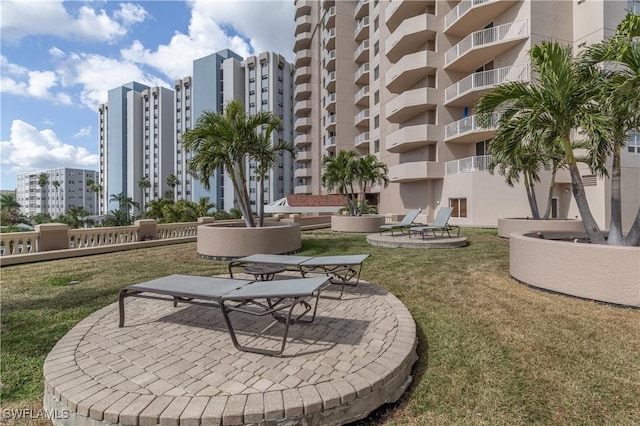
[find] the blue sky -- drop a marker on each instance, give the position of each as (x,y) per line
(58,60)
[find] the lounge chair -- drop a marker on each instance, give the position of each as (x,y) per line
(340,269)
(406,223)
(235,295)
(440,223)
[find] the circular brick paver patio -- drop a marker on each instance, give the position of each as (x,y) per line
(178,366)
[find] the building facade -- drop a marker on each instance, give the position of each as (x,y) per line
(141,129)
(399,79)
(64,188)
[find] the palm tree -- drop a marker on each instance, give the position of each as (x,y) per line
(203,207)
(126,204)
(339,174)
(172,181)
(226,141)
(155,209)
(266,156)
(117,217)
(144,183)
(548,110)
(74,215)
(43,181)
(369,171)
(620,99)
(9,207)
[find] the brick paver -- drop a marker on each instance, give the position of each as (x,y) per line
(177,366)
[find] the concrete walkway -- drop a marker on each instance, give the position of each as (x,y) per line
(177,366)
(415,241)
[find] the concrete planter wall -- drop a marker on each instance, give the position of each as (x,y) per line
(508,226)
(363,224)
(227,241)
(592,271)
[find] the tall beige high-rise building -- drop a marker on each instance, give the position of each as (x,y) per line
(399,79)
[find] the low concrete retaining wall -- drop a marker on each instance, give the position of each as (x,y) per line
(228,241)
(361,224)
(592,271)
(508,226)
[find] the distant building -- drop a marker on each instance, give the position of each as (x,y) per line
(65,188)
(141,129)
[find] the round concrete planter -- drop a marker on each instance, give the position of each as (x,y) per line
(592,271)
(508,226)
(228,241)
(367,223)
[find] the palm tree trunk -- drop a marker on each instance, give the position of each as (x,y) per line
(590,226)
(241,195)
(547,211)
(531,196)
(633,237)
(260,198)
(615,225)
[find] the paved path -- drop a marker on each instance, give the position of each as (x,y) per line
(177,366)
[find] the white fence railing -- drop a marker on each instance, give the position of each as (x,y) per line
(488,79)
(500,33)
(460,10)
(469,164)
(469,124)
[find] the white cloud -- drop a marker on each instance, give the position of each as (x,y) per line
(246,27)
(97,74)
(31,149)
(22,18)
(84,132)
(17,80)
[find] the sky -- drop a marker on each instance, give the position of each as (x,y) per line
(58,60)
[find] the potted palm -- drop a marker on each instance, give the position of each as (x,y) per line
(578,95)
(351,175)
(228,140)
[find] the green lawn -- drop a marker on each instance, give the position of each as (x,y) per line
(492,351)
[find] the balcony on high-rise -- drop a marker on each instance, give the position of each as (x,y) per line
(362,74)
(302,108)
(330,81)
(362,9)
(302,140)
(410,103)
(302,124)
(329,39)
(302,172)
(468,90)
(330,122)
(329,102)
(302,75)
(303,24)
(416,171)
(477,163)
(399,10)
(330,17)
(362,52)
(409,70)
(481,46)
(303,41)
(303,156)
(361,140)
(410,36)
(330,60)
(471,129)
(303,58)
(303,7)
(362,118)
(411,137)
(473,14)
(362,96)
(302,91)
(362,29)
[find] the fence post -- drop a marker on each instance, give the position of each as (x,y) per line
(147,229)
(206,219)
(53,236)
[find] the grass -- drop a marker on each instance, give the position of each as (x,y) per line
(492,351)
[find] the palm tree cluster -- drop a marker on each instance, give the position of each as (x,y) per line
(166,210)
(596,96)
(9,209)
(228,141)
(351,175)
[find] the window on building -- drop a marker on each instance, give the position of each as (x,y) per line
(376,23)
(376,48)
(376,145)
(376,97)
(459,207)
(633,144)
(376,72)
(376,121)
